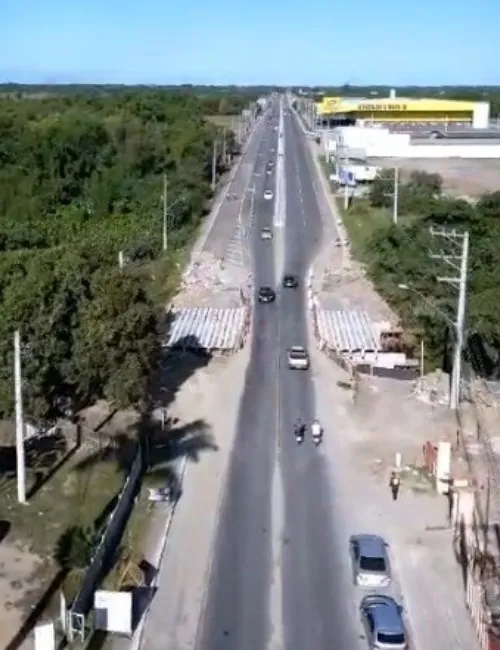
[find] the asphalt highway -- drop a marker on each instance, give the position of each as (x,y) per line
(314,608)
(237,611)
(225,224)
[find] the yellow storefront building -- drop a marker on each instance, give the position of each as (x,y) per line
(402,110)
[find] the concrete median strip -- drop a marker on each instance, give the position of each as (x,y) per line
(279,215)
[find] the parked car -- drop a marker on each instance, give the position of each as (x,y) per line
(370,561)
(383,622)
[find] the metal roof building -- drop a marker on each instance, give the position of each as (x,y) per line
(404,109)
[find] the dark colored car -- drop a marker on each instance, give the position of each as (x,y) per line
(266,294)
(290,281)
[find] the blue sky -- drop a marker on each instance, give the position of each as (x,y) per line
(259,41)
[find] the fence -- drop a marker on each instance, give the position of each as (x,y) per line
(474,567)
(478,428)
(106,549)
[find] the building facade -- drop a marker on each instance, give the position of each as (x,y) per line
(334,111)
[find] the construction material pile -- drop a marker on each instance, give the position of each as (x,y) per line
(206,282)
(433,388)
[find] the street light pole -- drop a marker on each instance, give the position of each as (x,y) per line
(165,214)
(214,165)
(462,297)
(395,202)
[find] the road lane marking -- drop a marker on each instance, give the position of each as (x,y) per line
(275,641)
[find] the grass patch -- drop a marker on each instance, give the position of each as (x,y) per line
(82,492)
(224,121)
(78,494)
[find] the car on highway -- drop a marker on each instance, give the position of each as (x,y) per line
(269,168)
(266,233)
(382,618)
(370,561)
(290,281)
(268,195)
(266,294)
(297,358)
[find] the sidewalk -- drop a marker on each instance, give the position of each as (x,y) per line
(172,618)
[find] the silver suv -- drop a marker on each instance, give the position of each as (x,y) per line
(370,561)
(383,622)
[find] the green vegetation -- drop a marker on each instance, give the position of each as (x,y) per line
(400,254)
(81,179)
(224,121)
(76,547)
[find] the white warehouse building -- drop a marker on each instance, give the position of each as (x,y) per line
(375,142)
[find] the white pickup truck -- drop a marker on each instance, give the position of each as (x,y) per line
(298,359)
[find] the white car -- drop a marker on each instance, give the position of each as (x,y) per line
(298,359)
(268,195)
(266,233)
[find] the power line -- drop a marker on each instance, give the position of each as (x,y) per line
(457,257)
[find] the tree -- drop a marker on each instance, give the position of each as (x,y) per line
(81,175)
(75,547)
(400,255)
(118,327)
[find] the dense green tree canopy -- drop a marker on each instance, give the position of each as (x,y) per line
(81,178)
(402,255)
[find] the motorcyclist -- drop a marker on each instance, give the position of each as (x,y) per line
(299,428)
(316,430)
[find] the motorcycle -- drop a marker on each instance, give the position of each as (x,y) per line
(299,436)
(317,434)
(317,438)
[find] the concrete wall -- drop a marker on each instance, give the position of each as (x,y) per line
(470,151)
(381,143)
(481,115)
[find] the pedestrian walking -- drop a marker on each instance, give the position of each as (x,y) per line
(394,485)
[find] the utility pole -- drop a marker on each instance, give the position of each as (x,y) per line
(239,118)
(224,147)
(458,260)
(395,202)
(165,215)
(18,391)
(214,166)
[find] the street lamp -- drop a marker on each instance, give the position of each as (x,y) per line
(455,374)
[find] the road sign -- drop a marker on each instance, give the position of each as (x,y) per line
(347,178)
